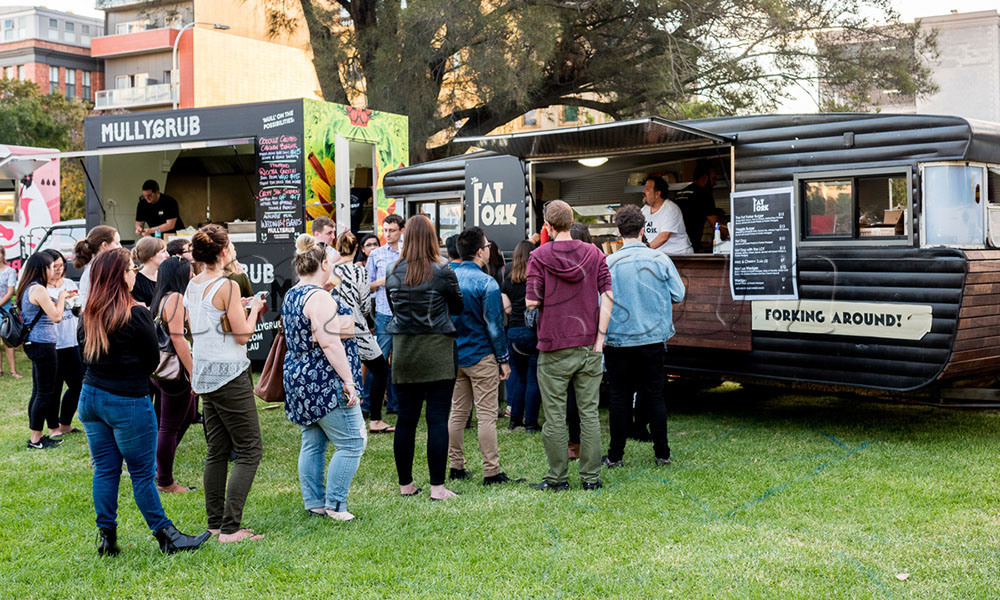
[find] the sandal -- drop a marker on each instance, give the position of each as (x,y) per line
(386,429)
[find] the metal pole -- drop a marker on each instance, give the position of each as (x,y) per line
(175,81)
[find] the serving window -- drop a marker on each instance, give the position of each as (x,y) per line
(862,205)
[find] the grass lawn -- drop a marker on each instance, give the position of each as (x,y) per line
(769,496)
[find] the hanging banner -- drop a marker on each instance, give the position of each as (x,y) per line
(494,199)
(860,319)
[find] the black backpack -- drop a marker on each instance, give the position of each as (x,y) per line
(13,331)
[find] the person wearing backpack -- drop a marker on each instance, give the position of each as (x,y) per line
(40,314)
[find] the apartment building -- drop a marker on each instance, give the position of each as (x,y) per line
(51,48)
(966,70)
(224,56)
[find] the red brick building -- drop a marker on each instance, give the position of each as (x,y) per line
(51,48)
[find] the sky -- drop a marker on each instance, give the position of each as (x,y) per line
(800,102)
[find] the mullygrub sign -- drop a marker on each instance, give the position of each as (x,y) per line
(494,199)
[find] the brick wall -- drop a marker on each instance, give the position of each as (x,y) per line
(39,73)
(44,44)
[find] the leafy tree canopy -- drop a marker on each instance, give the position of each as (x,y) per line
(457,67)
(30,118)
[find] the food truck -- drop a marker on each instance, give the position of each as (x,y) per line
(29,199)
(263,170)
(864,249)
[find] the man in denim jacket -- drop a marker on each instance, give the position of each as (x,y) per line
(645,284)
(482,358)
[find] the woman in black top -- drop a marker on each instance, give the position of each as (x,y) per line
(423,293)
(522,385)
(149,252)
(120,351)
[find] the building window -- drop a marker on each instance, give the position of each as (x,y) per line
(53,80)
(531,118)
(22,28)
(132,27)
(9,72)
(71,83)
(123,82)
(85,85)
(70,34)
(851,207)
(8,30)
(85,34)
(571,113)
(20,73)
(54,29)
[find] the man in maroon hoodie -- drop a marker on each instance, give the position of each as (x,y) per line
(569,283)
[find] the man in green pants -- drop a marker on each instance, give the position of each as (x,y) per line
(569,283)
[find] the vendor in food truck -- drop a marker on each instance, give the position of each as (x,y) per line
(697,204)
(664,222)
(159,212)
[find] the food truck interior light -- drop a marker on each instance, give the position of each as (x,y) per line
(593,162)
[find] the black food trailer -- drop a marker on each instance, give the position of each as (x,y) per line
(864,252)
(263,170)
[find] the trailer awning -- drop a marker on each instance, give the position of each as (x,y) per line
(605,139)
(27,163)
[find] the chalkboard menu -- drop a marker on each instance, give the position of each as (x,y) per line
(763,258)
(279,202)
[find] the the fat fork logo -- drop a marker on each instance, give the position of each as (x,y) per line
(488,206)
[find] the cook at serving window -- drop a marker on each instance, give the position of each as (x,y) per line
(158,212)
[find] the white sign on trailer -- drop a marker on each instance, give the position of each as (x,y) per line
(860,319)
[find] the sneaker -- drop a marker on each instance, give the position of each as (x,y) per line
(514,425)
(459,474)
(501,478)
(593,485)
(43,444)
(611,464)
(545,486)
(662,462)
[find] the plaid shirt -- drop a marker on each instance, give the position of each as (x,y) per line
(379,262)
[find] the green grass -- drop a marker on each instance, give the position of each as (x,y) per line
(769,496)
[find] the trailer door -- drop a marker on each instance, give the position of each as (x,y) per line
(954,197)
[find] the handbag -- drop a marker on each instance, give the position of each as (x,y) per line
(13,331)
(169,367)
(270,385)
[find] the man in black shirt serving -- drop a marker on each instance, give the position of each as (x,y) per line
(158,211)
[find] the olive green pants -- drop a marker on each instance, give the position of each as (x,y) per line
(557,370)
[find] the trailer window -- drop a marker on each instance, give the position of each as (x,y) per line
(953,205)
(863,206)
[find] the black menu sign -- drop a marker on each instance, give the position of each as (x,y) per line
(763,256)
(279,167)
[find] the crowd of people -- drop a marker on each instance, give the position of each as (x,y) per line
(364,322)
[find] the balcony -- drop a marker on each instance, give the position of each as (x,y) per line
(136,97)
(129,44)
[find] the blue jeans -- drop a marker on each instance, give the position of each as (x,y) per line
(122,427)
(522,385)
(384,340)
(345,428)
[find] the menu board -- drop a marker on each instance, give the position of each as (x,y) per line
(279,202)
(763,257)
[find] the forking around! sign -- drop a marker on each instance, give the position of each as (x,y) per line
(860,319)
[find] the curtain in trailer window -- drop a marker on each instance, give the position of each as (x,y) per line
(953,205)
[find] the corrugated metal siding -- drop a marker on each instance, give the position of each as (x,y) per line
(902,276)
(771,149)
(443,175)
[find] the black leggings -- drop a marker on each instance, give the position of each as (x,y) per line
(70,374)
(411,397)
(45,382)
(380,379)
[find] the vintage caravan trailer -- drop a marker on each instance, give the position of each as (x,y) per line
(876,268)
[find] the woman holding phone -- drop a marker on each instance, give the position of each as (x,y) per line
(221,328)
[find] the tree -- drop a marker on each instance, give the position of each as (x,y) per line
(30,118)
(457,67)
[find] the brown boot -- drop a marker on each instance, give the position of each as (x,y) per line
(574,451)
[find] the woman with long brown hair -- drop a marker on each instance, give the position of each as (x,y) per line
(522,385)
(423,293)
(120,352)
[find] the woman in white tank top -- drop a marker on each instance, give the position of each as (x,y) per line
(221,376)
